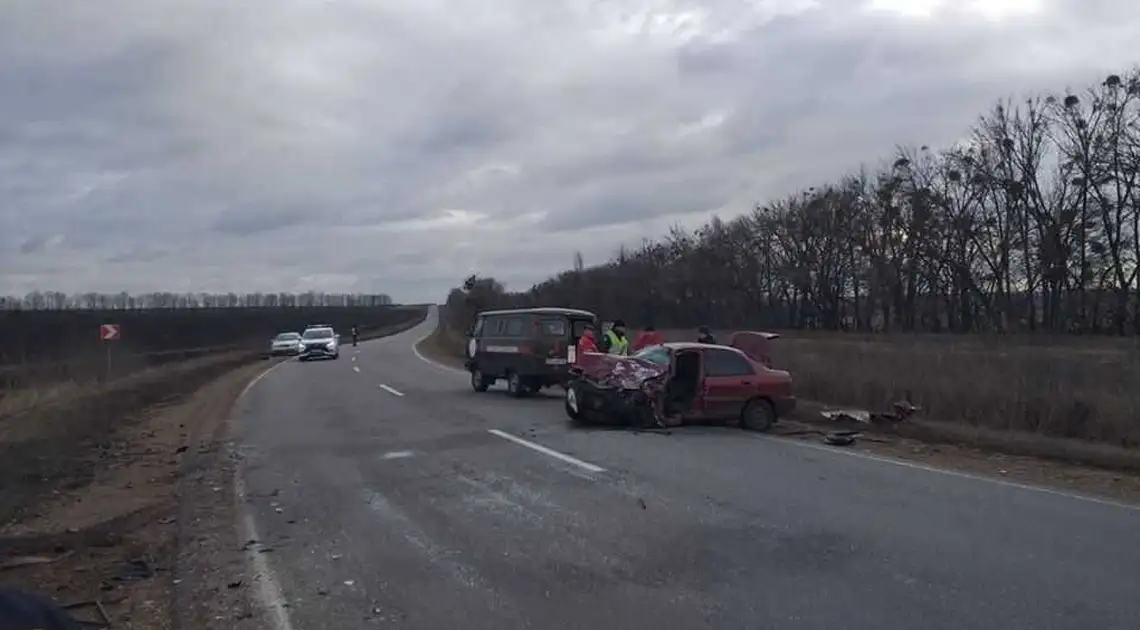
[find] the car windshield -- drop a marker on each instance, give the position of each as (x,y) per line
(654,354)
(288,337)
(319,333)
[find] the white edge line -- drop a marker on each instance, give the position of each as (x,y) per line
(546,451)
(391,390)
(435,364)
(267,589)
(257,378)
(952,473)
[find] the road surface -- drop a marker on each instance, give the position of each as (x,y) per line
(391,495)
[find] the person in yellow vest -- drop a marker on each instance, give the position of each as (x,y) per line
(615,341)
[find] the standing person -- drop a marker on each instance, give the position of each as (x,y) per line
(646,338)
(355,335)
(586,343)
(615,341)
(704,335)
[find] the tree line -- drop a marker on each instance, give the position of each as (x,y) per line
(1030,224)
(55,300)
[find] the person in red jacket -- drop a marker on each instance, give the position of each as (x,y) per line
(587,342)
(646,338)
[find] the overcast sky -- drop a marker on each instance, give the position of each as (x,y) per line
(398,145)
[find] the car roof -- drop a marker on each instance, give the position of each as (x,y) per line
(696,345)
(541,310)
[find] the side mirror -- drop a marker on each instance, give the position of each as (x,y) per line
(338,336)
(470,332)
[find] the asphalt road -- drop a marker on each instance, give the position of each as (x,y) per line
(391,495)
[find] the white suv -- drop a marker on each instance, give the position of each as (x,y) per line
(321,342)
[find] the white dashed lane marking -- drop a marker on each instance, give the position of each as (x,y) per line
(391,390)
(547,451)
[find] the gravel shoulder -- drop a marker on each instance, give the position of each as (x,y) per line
(104,529)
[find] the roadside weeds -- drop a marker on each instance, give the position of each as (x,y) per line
(1088,467)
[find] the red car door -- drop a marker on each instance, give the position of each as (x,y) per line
(729,382)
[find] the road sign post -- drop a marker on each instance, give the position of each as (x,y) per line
(107,334)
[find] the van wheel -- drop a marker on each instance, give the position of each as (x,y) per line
(758,415)
(479,382)
(572,403)
(515,385)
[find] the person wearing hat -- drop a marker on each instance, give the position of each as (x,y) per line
(704,335)
(646,338)
(615,341)
(586,343)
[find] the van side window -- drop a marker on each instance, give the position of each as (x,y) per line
(493,327)
(514,327)
(553,328)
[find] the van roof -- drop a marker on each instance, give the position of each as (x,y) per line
(542,310)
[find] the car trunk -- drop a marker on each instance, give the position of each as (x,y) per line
(757,345)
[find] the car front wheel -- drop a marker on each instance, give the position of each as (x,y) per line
(758,415)
(573,402)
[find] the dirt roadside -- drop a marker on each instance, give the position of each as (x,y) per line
(109,529)
(1118,483)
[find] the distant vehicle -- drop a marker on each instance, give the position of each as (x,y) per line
(288,343)
(675,383)
(319,342)
(530,348)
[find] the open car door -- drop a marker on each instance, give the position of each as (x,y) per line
(757,345)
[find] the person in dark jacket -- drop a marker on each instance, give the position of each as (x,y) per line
(20,610)
(704,335)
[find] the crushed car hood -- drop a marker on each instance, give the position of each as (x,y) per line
(609,370)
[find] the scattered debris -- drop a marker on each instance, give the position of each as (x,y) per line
(23,561)
(841,438)
(234,584)
(901,411)
(134,570)
(103,620)
(641,502)
(349,582)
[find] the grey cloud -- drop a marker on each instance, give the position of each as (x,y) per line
(130,128)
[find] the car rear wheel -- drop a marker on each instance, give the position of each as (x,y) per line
(758,415)
(479,382)
(573,402)
(515,385)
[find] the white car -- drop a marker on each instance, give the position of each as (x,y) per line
(287,343)
(319,342)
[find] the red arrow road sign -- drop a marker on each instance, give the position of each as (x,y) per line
(109,332)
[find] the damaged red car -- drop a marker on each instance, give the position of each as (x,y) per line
(675,383)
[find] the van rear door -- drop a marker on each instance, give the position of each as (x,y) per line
(553,339)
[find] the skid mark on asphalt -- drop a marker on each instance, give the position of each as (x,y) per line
(434,553)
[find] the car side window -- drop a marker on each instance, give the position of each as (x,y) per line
(726,363)
(514,327)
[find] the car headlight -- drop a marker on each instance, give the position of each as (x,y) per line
(330,345)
